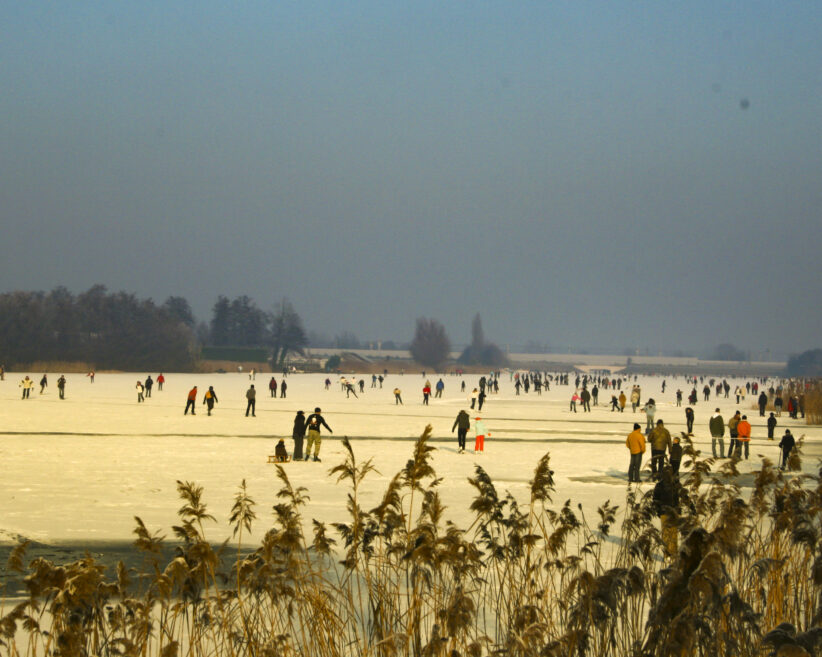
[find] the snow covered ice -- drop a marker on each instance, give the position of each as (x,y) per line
(79,470)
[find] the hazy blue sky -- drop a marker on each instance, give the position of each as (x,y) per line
(582,173)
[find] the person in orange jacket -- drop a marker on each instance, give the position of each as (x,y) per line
(192,397)
(743,430)
(636,444)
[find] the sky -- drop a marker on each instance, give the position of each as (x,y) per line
(586,175)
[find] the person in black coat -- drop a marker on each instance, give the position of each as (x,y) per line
(666,505)
(763,402)
(298,434)
(771,426)
(461,424)
(786,445)
(689,420)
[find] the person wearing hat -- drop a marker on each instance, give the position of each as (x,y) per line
(479,428)
(636,444)
(314,422)
(280,452)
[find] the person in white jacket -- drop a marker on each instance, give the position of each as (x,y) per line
(479,428)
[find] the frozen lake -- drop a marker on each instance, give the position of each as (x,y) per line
(77,470)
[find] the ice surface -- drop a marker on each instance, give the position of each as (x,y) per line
(80,469)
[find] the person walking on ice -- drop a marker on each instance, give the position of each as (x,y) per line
(140,388)
(26,384)
(251,396)
(298,434)
(481,432)
(210,398)
(313,424)
(461,424)
(636,445)
(61,386)
(192,398)
(398,396)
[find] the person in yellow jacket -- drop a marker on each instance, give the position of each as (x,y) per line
(743,430)
(660,439)
(636,444)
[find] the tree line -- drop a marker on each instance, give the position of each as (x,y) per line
(117,330)
(108,330)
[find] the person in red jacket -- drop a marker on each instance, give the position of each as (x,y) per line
(426,393)
(744,437)
(160,381)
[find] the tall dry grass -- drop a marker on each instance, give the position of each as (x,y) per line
(539,579)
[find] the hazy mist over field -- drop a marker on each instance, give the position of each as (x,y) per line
(587,175)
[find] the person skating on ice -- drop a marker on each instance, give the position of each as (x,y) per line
(314,422)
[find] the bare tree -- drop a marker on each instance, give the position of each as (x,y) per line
(287,332)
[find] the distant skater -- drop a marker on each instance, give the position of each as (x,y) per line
(192,397)
(140,390)
(272,386)
(481,432)
(786,445)
(771,426)
(298,434)
(44,383)
(314,423)
(160,381)
(26,384)
(636,446)
(210,398)
(61,387)
(148,385)
(251,396)
(283,388)
(461,424)
(398,396)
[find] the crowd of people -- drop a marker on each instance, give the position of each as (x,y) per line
(666,451)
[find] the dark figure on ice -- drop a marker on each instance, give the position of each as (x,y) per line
(251,396)
(461,424)
(298,434)
(210,398)
(689,420)
(786,445)
(771,426)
